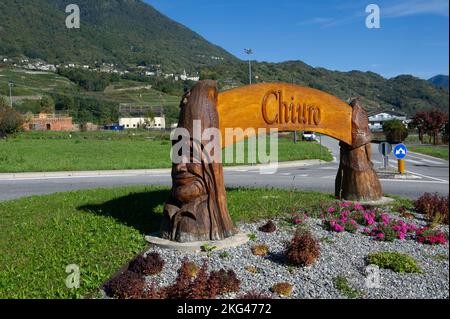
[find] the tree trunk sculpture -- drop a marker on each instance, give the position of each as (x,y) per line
(197,207)
(356,179)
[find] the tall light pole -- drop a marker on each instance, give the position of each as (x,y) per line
(249,52)
(10,84)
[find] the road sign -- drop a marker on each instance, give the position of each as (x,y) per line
(400,151)
(385,148)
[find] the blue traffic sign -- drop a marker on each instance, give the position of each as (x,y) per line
(400,151)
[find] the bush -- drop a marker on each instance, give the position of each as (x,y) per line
(269,227)
(260,250)
(128,285)
(397,262)
(303,250)
(10,120)
(284,289)
(395,131)
(152,264)
(434,207)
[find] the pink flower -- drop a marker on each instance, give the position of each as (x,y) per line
(380,236)
(401,235)
(338,228)
(331,209)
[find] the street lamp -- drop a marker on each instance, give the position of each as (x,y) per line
(249,52)
(10,84)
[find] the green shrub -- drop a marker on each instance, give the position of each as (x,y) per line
(397,262)
(10,120)
(341,284)
(395,131)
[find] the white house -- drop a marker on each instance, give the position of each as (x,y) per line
(377,118)
(142,122)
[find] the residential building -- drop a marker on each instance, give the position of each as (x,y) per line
(143,122)
(378,117)
(49,122)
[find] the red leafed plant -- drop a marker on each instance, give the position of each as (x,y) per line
(223,281)
(302,250)
(152,264)
(128,285)
(434,207)
(268,227)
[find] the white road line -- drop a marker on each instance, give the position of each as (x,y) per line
(433,178)
(432,162)
(376,162)
(412,161)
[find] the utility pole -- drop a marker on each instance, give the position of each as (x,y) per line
(10,84)
(249,52)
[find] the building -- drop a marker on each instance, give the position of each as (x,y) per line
(143,122)
(49,122)
(377,118)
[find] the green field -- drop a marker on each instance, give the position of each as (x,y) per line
(436,151)
(47,151)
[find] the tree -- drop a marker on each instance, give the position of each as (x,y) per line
(47,105)
(419,121)
(395,130)
(10,120)
(437,120)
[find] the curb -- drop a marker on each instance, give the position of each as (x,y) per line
(138,172)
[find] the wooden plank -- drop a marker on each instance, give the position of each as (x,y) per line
(286,107)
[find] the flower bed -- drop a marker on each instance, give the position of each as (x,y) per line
(354,217)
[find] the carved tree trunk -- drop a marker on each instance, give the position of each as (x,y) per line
(197,208)
(356,179)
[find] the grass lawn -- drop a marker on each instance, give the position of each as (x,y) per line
(100,230)
(47,151)
(436,151)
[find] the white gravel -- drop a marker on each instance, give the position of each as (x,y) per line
(342,254)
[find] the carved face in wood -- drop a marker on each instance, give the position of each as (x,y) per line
(197,209)
(188,182)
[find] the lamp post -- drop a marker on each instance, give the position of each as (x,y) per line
(249,52)
(10,85)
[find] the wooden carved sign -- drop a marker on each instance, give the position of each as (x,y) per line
(197,208)
(285,107)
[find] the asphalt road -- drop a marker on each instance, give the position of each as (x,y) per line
(433,174)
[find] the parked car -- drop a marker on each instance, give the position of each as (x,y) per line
(309,136)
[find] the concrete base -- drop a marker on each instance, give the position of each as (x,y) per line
(234,241)
(381,202)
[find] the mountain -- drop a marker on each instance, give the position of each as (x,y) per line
(114,31)
(405,93)
(440,81)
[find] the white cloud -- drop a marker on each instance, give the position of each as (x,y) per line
(416,7)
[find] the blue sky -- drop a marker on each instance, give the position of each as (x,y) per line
(413,38)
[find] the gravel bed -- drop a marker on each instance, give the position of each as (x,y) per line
(342,254)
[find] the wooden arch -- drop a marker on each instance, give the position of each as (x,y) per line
(286,107)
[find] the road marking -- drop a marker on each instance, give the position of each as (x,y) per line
(412,161)
(433,178)
(432,162)
(376,162)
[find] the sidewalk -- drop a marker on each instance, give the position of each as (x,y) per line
(137,172)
